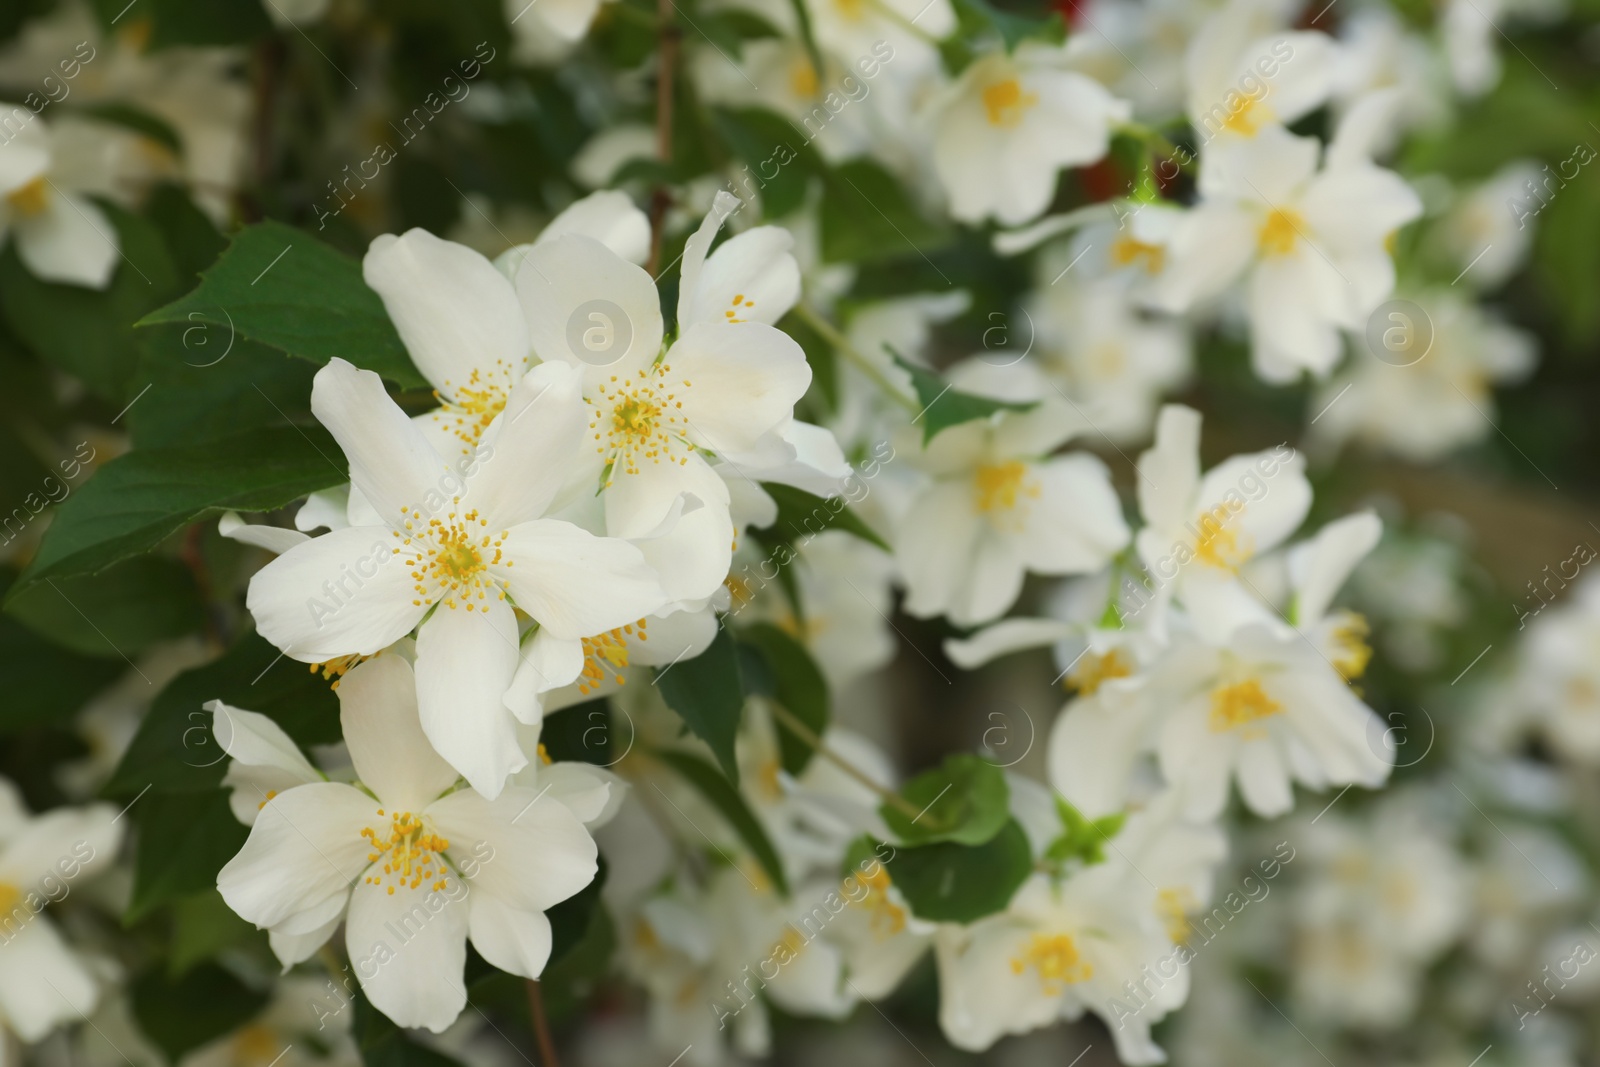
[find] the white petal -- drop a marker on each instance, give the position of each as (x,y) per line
(517,942)
(391,463)
(409,950)
(1319,567)
(593,794)
(27,148)
(272,538)
(609,217)
(575,583)
(1169,472)
(1094,750)
(1076,525)
(297,948)
(466,658)
(723,205)
(528,851)
(692,551)
(454,311)
(255,740)
(1006,637)
(42,982)
(1263,779)
(328,508)
(344,593)
(752,277)
(644,502)
(529,450)
(546,663)
(936,546)
(305,847)
(391,754)
(65,838)
(70,241)
(744,381)
(567,281)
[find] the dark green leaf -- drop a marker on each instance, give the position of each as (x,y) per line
(42,681)
(979,16)
(708,696)
(726,799)
(202,388)
(944,407)
(866,216)
(797,684)
(778,157)
(965,799)
(803,515)
(86,332)
(202,926)
(192,238)
(180,1016)
(947,882)
(285,289)
(174,750)
(582,732)
(118,613)
(138,500)
(184,840)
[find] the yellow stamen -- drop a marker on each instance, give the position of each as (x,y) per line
(1006,103)
(1241,704)
(409,852)
(999,486)
(31,199)
(1281,232)
(1057,961)
(1094,670)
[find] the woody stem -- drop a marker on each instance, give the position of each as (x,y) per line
(661,198)
(816,744)
(541,1024)
(842,345)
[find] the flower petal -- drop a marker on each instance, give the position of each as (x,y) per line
(515,941)
(305,847)
(318,600)
(572,284)
(575,583)
(744,380)
(379,719)
(409,950)
(530,449)
(70,241)
(751,278)
(466,658)
(523,848)
(391,463)
(609,217)
(454,311)
(43,983)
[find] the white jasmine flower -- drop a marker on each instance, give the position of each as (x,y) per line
(1489,228)
(1311,242)
(44,982)
(999,505)
(1009,124)
(1244,77)
(411,863)
(61,236)
(1431,406)
(453,559)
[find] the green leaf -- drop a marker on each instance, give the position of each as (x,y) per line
(118,613)
(192,239)
(803,515)
(866,216)
(136,501)
(777,156)
(285,289)
(86,332)
(181,1015)
(202,388)
(42,681)
(947,882)
(184,840)
(202,926)
(174,750)
(726,799)
(944,407)
(383,1044)
(797,684)
(195,22)
(1082,840)
(708,695)
(978,16)
(965,799)
(583,733)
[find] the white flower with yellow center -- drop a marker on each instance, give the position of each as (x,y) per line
(1266,709)
(1201,530)
(1243,79)
(1009,124)
(458,314)
(1313,245)
(1058,950)
(43,981)
(411,863)
(999,505)
(60,235)
(453,553)
(724,390)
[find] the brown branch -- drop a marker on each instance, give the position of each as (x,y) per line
(662,199)
(541,1024)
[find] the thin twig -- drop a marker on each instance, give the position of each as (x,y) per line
(820,747)
(541,1024)
(668,61)
(842,345)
